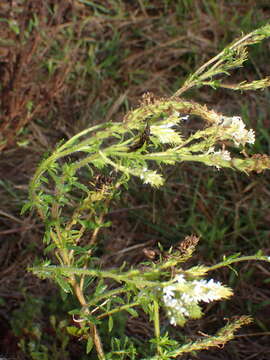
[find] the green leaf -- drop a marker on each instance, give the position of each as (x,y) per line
(44,179)
(119,299)
(78,249)
(49,248)
(73,330)
(132,312)
(110,323)
(81,187)
(63,284)
(100,288)
(195,311)
(14,26)
(47,237)
(26,207)
(88,224)
(89,345)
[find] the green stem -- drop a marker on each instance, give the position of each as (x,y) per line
(131,277)
(236,260)
(77,136)
(93,329)
(116,310)
(157,324)
(195,77)
(106,295)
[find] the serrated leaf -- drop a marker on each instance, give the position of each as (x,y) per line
(98,163)
(63,284)
(166,135)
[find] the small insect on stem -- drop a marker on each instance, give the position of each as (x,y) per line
(144,138)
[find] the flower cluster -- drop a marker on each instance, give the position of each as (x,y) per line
(219,155)
(164,131)
(223,154)
(150,177)
(181,298)
(236,130)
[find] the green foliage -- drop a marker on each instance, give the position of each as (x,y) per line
(35,341)
(72,190)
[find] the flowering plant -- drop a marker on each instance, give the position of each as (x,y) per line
(74,212)
(182,297)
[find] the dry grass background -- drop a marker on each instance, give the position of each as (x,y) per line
(65,65)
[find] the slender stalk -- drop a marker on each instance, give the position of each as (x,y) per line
(133,276)
(157,325)
(189,83)
(239,259)
(107,295)
(93,329)
(116,310)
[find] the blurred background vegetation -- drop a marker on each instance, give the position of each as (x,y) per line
(68,64)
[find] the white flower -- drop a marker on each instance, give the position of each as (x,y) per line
(168,291)
(184,118)
(166,126)
(180,278)
(236,129)
(182,295)
(151,177)
(211,150)
(251,136)
(202,290)
(173,304)
(221,154)
(188,299)
(207,291)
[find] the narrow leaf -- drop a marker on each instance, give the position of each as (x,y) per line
(110,323)
(89,345)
